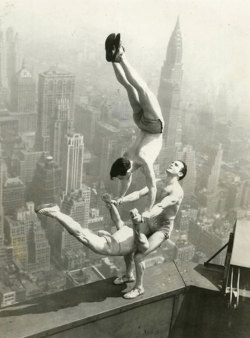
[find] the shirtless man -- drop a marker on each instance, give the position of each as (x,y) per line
(147,235)
(148,118)
(155,226)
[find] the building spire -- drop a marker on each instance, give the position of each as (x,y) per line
(174,50)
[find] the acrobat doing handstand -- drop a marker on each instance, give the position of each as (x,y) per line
(147,234)
(147,116)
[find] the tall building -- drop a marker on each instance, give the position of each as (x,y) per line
(189,183)
(62,126)
(46,182)
(2,180)
(107,147)
(169,94)
(213,179)
(37,244)
(86,118)
(73,163)
(17,240)
(13,195)
(25,163)
(77,205)
(53,86)
(12,55)
(3,75)
(23,91)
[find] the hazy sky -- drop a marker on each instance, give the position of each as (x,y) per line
(216,33)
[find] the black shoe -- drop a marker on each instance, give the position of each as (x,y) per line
(119,49)
(110,47)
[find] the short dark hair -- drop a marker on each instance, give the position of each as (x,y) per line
(183,170)
(120,167)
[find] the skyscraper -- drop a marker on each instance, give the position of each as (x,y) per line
(23,91)
(2,179)
(73,163)
(46,183)
(25,164)
(13,195)
(37,243)
(3,77)
(189,184)
(53,86)
(213,179)
(169,94)
(62,126)
(12,50)
(16,238)
(77,205)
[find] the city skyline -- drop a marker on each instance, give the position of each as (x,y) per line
(85,123)
(210,28)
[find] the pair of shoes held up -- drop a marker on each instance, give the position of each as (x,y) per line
(114,48)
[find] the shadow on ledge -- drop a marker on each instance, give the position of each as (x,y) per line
(97,292)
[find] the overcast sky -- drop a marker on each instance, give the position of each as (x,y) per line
(216,33)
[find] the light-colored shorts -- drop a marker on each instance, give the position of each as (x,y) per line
(166,228)
(151,126)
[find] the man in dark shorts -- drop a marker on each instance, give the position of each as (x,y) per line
(134,244)
(147,116)
(152,228)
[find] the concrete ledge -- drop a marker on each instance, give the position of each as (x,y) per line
(55,314)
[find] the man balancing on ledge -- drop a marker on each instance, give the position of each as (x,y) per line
(148,118)
(146,236)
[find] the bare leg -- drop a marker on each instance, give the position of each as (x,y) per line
(129,274)
(154,242)
(88,238)
(131,91)
(147,99)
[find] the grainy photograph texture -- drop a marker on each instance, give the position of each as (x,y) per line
(124,168)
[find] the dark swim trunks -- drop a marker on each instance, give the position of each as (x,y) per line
(151,126)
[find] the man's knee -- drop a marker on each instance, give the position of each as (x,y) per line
(139,257)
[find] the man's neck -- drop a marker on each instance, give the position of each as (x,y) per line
(171,179)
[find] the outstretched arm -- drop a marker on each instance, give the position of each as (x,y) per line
(157,209)
(151,184)
(125,184)
(135,195)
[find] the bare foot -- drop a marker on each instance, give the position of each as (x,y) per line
(49,210)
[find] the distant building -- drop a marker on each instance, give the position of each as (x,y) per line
(189,184)
(8,127)
(82,276)
(62,125)
(46,183)
(7,296)
(73,258)
(37,243)
(77,205)
(12,55)
(27,122)
(13,195)
(108,148)
(169,94)
(213,179)
(16,237)
(53,86)
(26,164)
(3,74)
(209,239)
(243,199)
(73,163)
(184,251)
(23,92)
(86,118)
